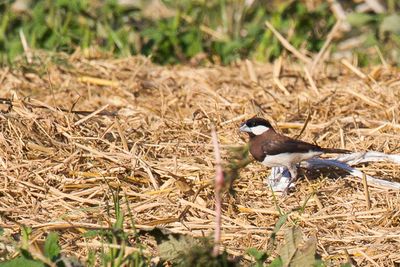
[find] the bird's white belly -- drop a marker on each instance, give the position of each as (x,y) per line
(286,159)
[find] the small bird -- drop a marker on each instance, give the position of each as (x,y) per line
(273,149)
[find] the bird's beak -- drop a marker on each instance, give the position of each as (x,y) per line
(245,128)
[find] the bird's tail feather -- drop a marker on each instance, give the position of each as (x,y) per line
(336,151)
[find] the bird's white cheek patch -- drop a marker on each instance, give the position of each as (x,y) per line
(260,129)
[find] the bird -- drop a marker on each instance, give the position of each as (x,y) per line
(273,149)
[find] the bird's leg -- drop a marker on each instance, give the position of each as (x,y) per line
(293,172)
(293,175)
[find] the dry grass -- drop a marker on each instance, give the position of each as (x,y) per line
(57,167)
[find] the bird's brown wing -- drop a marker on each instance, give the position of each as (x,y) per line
(285,144)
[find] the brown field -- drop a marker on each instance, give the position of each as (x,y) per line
(150,136)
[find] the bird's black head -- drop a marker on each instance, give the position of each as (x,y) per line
(255,126)
(254,122)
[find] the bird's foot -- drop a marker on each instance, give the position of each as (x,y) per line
(290,184)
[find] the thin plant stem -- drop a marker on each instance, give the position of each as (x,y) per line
(219,183)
